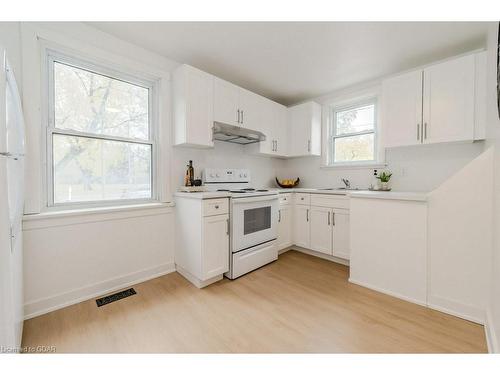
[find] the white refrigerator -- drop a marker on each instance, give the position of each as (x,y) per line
(11,209)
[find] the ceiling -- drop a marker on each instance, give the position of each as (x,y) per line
(293,61)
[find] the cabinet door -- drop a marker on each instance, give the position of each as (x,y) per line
(341,236)
(449,101)
(300,130)
(280,130)
(267,126)
(301,226)
(215,254)
(226,102)
(284,227)
(253,110)
(402,110)
(321,229)
(199,108)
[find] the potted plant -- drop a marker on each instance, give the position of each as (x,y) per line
(384,178)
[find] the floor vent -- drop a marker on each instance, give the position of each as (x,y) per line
(115,297)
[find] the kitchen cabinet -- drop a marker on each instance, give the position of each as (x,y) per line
(226,102)
(402,109)
(321,230)
(202,239)
(284,226)
(440,103)
(321,223)
(301,228)
(215,246)
(341,237)
(448,104)
(192,102)
(274,126)
(304,127)
(236,106)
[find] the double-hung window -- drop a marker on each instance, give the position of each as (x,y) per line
(352,133)
(100,137)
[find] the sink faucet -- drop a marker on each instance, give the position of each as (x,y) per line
(347,183)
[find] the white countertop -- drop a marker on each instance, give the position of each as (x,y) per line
(398,195)
(203,194)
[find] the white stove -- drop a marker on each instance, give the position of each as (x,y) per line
(253,217)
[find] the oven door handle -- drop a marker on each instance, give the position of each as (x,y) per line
(264,198)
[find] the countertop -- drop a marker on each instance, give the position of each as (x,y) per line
(395,195)
(203,194)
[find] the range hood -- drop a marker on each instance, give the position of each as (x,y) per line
(236,134)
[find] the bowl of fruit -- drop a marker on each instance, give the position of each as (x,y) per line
(288,183)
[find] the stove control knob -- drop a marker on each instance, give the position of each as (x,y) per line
(245,175)
(217,175)
(211,175)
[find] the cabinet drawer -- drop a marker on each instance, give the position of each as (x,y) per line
(285,198)
(302,198)
(215,206)
(332,201)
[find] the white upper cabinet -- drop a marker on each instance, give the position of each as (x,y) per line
(402,109)
(251,108)
(304,127)
(274,126)
(193,107)
(448,109)
(226,102)
(440,103)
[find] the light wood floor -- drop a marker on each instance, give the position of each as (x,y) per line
(299,303)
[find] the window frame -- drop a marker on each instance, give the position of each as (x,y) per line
(332,127)
(53,56)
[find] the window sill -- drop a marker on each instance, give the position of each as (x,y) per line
(93,214)
(355,166)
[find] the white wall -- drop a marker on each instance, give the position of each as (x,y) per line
(493,139)
(226,155)
(10,39)
(459,240)
(71,259)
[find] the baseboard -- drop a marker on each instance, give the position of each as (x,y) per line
(331,258)
(491,337)
(282,251)
(388,292)
(460,310)
(194,280)
(46,305)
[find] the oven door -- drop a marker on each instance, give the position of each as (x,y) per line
(254,221)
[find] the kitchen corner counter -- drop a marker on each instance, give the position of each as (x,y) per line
(203,194)
(397,195)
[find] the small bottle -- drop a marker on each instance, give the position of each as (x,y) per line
(374,184)
(191,173)
(187,181)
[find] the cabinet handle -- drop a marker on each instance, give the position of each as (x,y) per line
(308,145)
(418,132)
(242,121)
(276,148)
(333,219)
(307,215)
(274,145)
(238,116)
(425,130)
(279,216)
(216,206)
(328,218)
(227,227)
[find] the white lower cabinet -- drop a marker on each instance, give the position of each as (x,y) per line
(284,226)
(321,230)
(341,236)
(301,228)
(202,239)
(215,259)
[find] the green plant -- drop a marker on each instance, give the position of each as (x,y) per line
(385,176)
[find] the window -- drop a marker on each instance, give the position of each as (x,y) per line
(100,138)
(353,133)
